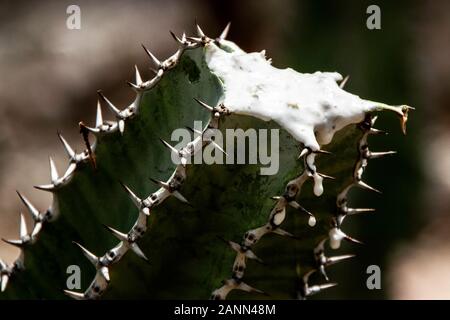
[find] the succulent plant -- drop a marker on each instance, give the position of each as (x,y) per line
(241,234)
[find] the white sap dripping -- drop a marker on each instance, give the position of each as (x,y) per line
(310,106)
(318,186)
(312,221)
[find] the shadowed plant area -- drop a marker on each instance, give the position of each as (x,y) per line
(141,226)
(382,64)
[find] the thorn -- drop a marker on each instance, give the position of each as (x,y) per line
(351,211)
(138,86)
(194,131)
(169,146)
(326,176)
(119,235)
(233,245)
(136,200)
(343,82)
(323,272)
(89,255)
(16,243)
(337,259)
(46,187)
(317,288)
(376,155)
(138,251)
(99,118)
(239,249)
(312,219)
(93,130)
(348,238)
(183,160)
(283,233)
(200,32)
(366,186)
(74,295)
(308,150)
(53,171)
(34,212)
(219,147)
(377,132)
(131,244)
(67,147)
(166,186)
(36,229)
(133,86)
(225,31)
(374,119)
(251,255)
(4,281)
(294,204)
(204,105)
(176,38)
(109,103)
(194,39)
(303,153)
(137,75)
(23,227)
(155,71)
(70,170)
(179,196)
(245,287)
(322,152)
(336,235)
(161,184)
(152,57)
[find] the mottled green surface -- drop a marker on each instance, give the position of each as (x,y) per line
(187,260)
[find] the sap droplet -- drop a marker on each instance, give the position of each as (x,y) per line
(335,238)
(318,186)
(312,221)
(335,243)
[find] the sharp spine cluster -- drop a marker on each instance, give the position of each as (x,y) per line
(276,218)
(128,241)
(364,155)
(26,238)
(322,261)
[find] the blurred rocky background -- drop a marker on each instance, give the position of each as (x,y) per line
(50,74)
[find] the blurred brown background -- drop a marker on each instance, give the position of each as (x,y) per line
(50,74)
